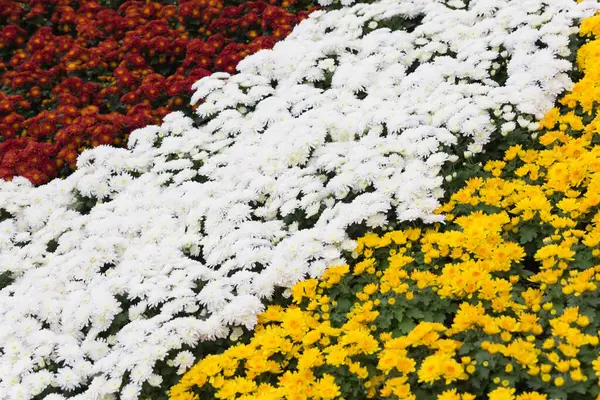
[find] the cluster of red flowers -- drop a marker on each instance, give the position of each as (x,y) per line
(75,74)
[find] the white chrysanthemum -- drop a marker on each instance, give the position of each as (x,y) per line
(155,380)
(130,392)
(184,360)
(141,373)
(67,379)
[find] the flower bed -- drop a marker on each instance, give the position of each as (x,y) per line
(501,303)
(116,279)
(75,76)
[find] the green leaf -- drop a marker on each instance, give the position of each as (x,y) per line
(404,327)
(398,313)
(527,234)
(415,314)
(343,305)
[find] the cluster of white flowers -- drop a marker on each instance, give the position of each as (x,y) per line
(341,123)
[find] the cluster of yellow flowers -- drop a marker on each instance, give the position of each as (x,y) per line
(515,334)
(500,303)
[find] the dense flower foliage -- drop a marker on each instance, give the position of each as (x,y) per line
(116,278)
(502,303)
(75,75)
